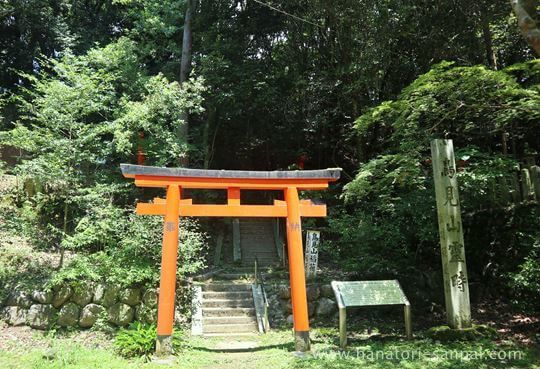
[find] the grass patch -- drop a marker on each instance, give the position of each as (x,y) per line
(274,350)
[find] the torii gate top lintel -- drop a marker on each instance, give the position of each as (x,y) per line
(148,176)
(292,208)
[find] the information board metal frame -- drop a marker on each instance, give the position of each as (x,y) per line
(388,292)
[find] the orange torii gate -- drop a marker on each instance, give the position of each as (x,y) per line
(176,179)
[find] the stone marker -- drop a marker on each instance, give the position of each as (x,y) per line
(535,179)
(456,286)
(311,258)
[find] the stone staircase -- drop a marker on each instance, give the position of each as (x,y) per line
(227,305)
(257,241)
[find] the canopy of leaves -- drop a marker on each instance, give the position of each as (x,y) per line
(391,200)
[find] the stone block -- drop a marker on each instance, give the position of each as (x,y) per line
(40,316)
(69,315)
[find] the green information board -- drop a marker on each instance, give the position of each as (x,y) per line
(370,293)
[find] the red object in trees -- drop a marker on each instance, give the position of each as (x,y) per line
(141,155)
(301,161)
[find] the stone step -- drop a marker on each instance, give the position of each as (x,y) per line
(227,311)
(262,251)
(220,303)
(261,262)
(245,334)
(226,287)
(230,328)
(227,294)
(243,319)
(260,259)
(234,276)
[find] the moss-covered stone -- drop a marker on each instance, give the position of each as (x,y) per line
(444,333)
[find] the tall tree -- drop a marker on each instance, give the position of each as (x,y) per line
(185,69)
(527,15)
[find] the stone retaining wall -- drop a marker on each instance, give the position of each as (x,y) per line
(83,306)
(321,302)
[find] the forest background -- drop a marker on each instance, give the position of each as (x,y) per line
(360,85)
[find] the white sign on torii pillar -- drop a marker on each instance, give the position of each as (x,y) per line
(456,286)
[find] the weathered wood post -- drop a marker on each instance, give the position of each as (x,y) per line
(527,187)
(535,178)
(456,286)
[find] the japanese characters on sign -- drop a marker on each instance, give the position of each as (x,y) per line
(451,234)
(313,239)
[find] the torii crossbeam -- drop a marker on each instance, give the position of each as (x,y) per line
(176,179)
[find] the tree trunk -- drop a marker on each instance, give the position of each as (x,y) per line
(185,68)
(525,11)
(488,40)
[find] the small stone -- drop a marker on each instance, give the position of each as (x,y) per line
(18,298)
(286,306)
(61,296)
(110,296)
(327,291)
(82,295)
(150,297)
(15,315)
(179,317)
(43,297)
(99,292)
(69,315)
(130,296)
(89,315)
(290,319)
(311,308)
(325,307)
(312,292)
(40,316)
(146,314)
(121,314)
(283,291)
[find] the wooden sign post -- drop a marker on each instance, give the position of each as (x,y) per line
(456,286)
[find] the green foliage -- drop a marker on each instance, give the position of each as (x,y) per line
(140,340)
(525,282)
(134,259)
(474,105)
(389,218)
(80,119)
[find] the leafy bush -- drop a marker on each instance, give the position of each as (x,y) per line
(140,340)
(81,116)
(134,258)
(137,340)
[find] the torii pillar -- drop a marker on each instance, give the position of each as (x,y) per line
(175,179)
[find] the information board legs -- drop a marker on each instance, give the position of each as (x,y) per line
(408,320)
(167,285)
(342,327)
(296,271)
